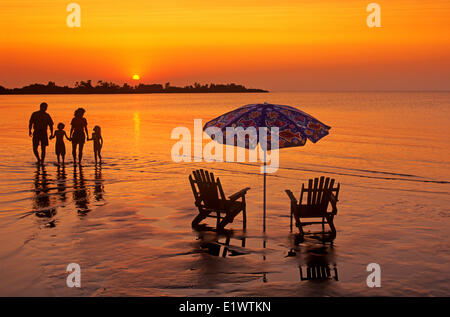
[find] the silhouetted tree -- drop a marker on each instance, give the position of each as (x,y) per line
(104,87)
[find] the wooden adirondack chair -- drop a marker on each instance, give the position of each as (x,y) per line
(211,201)
(320,194)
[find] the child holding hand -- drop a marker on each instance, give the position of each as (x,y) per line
(60,147)
(98,142)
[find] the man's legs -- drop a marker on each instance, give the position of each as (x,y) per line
(36,153)
(42,153)
(35,148)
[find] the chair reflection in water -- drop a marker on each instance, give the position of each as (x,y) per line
(216,248)
(320,194)
(211,201)
(318,272)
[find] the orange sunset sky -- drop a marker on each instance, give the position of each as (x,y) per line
(278,45)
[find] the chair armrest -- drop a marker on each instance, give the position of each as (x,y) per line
(333,201)
(239,194)
(291,196)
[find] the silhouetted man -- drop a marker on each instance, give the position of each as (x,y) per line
(39,121)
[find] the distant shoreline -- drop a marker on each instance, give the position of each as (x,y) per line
(108,88)
(134,93)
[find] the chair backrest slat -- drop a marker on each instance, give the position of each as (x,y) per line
(310,182)
(203,178)
(208,189)
(314,193)
(198,180)
(318,192)
(219,185)
(326,189)
(337,190)
(330,189)
(207,179)
(301,194)
(194,189)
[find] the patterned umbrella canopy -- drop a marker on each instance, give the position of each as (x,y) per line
(295,126)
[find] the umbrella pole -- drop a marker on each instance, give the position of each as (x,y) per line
(264,199)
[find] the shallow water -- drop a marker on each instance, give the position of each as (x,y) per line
(127,222)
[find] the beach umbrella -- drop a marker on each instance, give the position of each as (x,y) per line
(294,128)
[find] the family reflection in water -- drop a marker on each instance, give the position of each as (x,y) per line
(42,204)
(52,193)
(80,194)
(61,183)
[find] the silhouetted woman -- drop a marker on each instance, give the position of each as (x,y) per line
(78,134)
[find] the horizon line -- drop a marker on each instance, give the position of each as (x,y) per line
(270,91)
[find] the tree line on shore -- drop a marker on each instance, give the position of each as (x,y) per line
(103,87)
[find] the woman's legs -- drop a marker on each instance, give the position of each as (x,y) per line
(80,152)
(74,152)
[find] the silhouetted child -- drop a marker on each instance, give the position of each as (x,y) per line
(98,142)
(60,147)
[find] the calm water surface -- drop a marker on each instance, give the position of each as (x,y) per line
(127,222)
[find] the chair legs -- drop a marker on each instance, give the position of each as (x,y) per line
(218,219)
(299,225)
(331,224)
(199,218)
(292,214)
(226,220)
(327,219)
(221,225)
(244,214)
(244,219)
(220,222)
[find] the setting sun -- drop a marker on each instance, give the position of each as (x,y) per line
(136,77)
